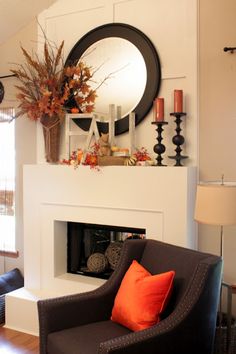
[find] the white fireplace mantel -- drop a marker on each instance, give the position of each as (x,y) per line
(158,199)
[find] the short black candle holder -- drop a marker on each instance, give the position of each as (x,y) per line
(178,139)
(159,148)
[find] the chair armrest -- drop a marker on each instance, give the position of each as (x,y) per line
(74,310)
(175,333)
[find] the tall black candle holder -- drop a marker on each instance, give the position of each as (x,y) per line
(159,148)
(178,139)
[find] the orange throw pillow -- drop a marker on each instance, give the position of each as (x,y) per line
(141,298)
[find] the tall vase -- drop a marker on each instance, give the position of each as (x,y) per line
(51,133)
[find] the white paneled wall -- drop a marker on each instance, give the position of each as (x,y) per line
(171,26)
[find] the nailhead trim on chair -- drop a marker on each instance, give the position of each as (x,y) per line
(188,301)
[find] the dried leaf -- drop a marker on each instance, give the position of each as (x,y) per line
(59,52)
(46,86)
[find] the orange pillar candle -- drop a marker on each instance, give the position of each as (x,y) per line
(159,109)
(178,101)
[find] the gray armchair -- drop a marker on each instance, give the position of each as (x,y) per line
(80,324)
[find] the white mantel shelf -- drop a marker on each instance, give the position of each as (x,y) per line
(158,199)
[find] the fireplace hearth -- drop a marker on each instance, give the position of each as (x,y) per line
(94,250)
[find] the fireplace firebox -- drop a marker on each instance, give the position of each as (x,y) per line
(94,250)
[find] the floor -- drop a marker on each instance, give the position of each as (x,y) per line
(13,342)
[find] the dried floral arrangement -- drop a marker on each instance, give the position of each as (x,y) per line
(91,158)
(142,154)
(46,85)
(47,90)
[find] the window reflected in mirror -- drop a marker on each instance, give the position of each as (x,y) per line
(120,74)
(128,73)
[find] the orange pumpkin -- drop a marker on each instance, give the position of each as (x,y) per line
(74,110)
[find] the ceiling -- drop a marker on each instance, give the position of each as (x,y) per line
(16,14)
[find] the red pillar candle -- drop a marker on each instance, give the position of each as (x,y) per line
(178,101)
(159,109)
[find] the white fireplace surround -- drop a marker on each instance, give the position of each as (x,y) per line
(158,199)
(53,271)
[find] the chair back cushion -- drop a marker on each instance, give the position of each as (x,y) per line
(159,257)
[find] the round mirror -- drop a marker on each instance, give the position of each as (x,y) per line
(127,72)
(119,72)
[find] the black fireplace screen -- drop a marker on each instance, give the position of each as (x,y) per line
(94,250)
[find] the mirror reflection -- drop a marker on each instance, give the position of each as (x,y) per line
(120,74)
(128,59)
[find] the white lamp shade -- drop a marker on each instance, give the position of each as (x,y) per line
(216,204)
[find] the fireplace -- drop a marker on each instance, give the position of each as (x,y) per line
(157,200)
(163,207)
(94,250)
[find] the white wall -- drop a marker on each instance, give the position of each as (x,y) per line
(172,27)
(218,116)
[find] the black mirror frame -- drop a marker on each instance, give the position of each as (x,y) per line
(2,92)
(151,58)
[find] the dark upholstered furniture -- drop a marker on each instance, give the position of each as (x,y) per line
(9,281)
(80,324)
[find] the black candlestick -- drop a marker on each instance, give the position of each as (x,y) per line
(178,139)
(159,148)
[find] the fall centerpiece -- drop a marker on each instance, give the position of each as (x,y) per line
(47,87)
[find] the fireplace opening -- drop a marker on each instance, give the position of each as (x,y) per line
(94,250)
